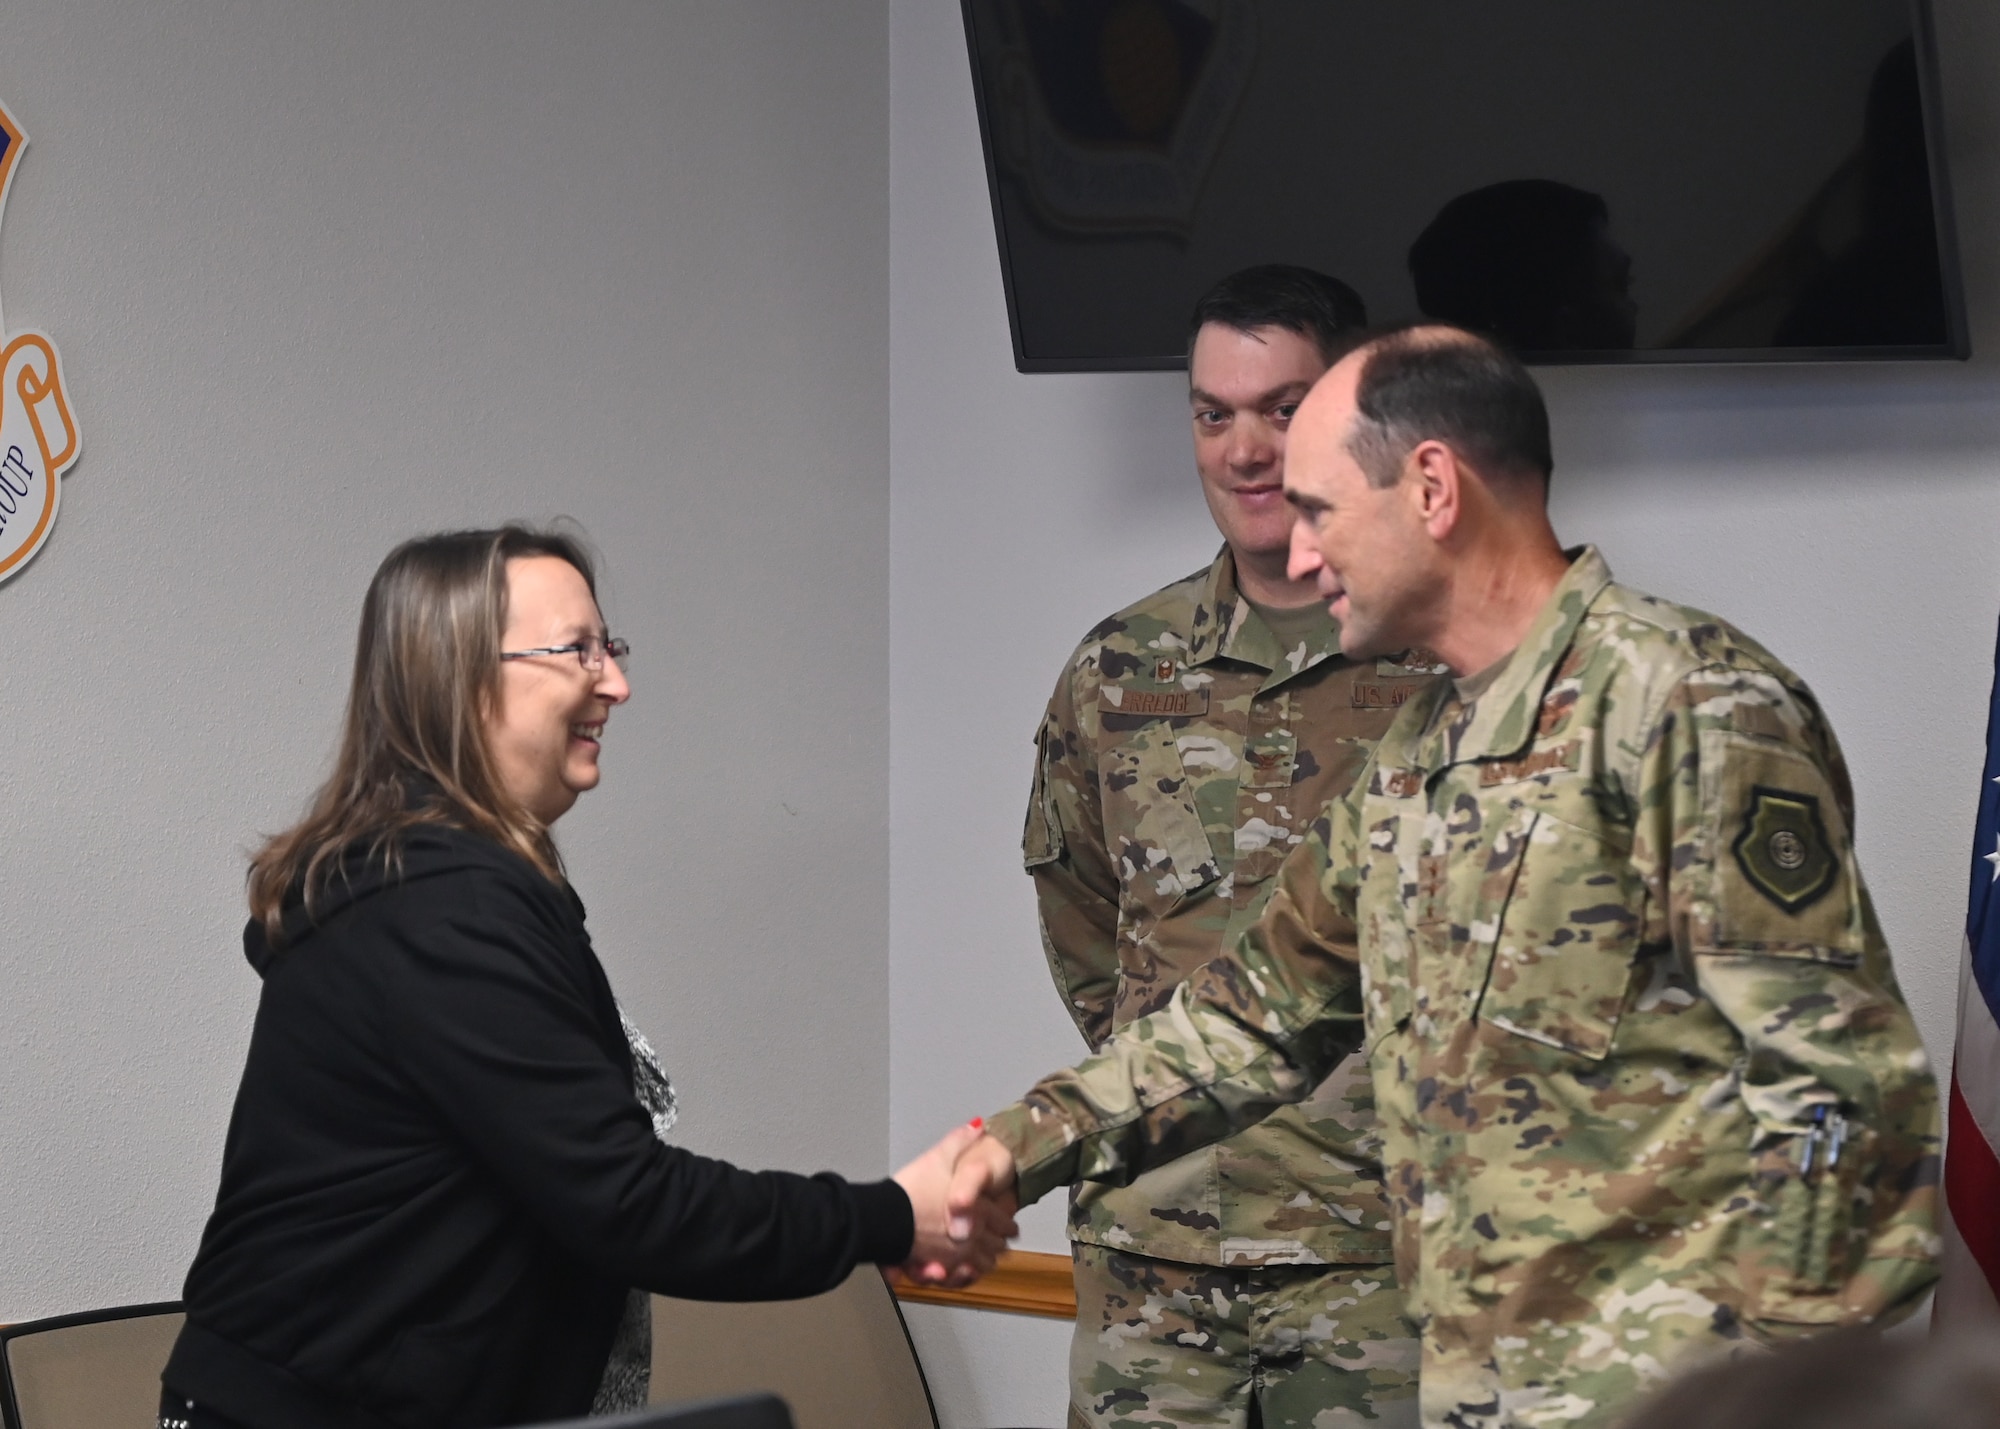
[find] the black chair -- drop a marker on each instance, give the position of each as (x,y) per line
(87,1371)
(743,1411)
(848,1359)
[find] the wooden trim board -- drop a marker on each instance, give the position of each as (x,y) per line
(1025,1282)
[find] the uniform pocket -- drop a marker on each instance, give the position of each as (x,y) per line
(1388,1003)
(1563,934)
(1387,938)
(1042,837)
(1155,832)
(1805,1245)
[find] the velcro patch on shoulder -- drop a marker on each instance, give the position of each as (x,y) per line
(1154,703)
(1759,719)
(1538,761)
(1783,848)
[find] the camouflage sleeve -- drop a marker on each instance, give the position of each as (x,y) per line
(1250,1032)
(1064,849)
(1746,818)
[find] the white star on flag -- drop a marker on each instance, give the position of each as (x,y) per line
(1994,857)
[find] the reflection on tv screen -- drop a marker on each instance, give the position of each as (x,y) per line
(1651,180)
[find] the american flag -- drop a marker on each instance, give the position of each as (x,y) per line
(1971,1284)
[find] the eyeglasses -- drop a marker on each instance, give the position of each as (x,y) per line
(589,651)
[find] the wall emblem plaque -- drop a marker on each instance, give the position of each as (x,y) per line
(39,439)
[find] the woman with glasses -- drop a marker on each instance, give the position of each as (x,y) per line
(445,1172)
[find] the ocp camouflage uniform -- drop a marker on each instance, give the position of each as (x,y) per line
(1183,756)
(1648,1087)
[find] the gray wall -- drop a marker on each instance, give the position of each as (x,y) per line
(327,275)
(1846,517)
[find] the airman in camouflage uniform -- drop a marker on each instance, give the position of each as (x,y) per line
(1190,741)
(1182,758)
(1649,1090)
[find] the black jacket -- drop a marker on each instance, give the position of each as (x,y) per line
(438,1183)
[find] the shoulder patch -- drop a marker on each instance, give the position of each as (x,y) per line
(1784,850)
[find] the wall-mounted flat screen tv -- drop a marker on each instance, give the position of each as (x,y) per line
(1589,180)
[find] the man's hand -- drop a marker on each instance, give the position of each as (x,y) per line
(963,1220)
(984,1176)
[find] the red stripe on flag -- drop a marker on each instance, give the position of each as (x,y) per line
(1972,1187)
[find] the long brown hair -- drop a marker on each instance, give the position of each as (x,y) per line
(413,743)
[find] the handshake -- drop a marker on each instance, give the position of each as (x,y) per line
(962,1191)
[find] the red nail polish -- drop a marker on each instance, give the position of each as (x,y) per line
(978,1122)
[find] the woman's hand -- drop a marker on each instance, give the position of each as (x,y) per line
(955,1245)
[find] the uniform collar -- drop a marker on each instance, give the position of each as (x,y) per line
(1234,631)
(1504,717)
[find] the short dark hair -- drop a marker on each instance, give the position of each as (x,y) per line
(1323,310)
(1422,383)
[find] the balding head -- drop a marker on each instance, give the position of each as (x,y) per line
(1434,383)
(1419,470)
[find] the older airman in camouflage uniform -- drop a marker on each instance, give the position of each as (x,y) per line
(1190,741)
(1649,1090)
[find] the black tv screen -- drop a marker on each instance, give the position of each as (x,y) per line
(1588,180)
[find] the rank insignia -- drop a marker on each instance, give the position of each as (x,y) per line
(1414,661)
(1784,850)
